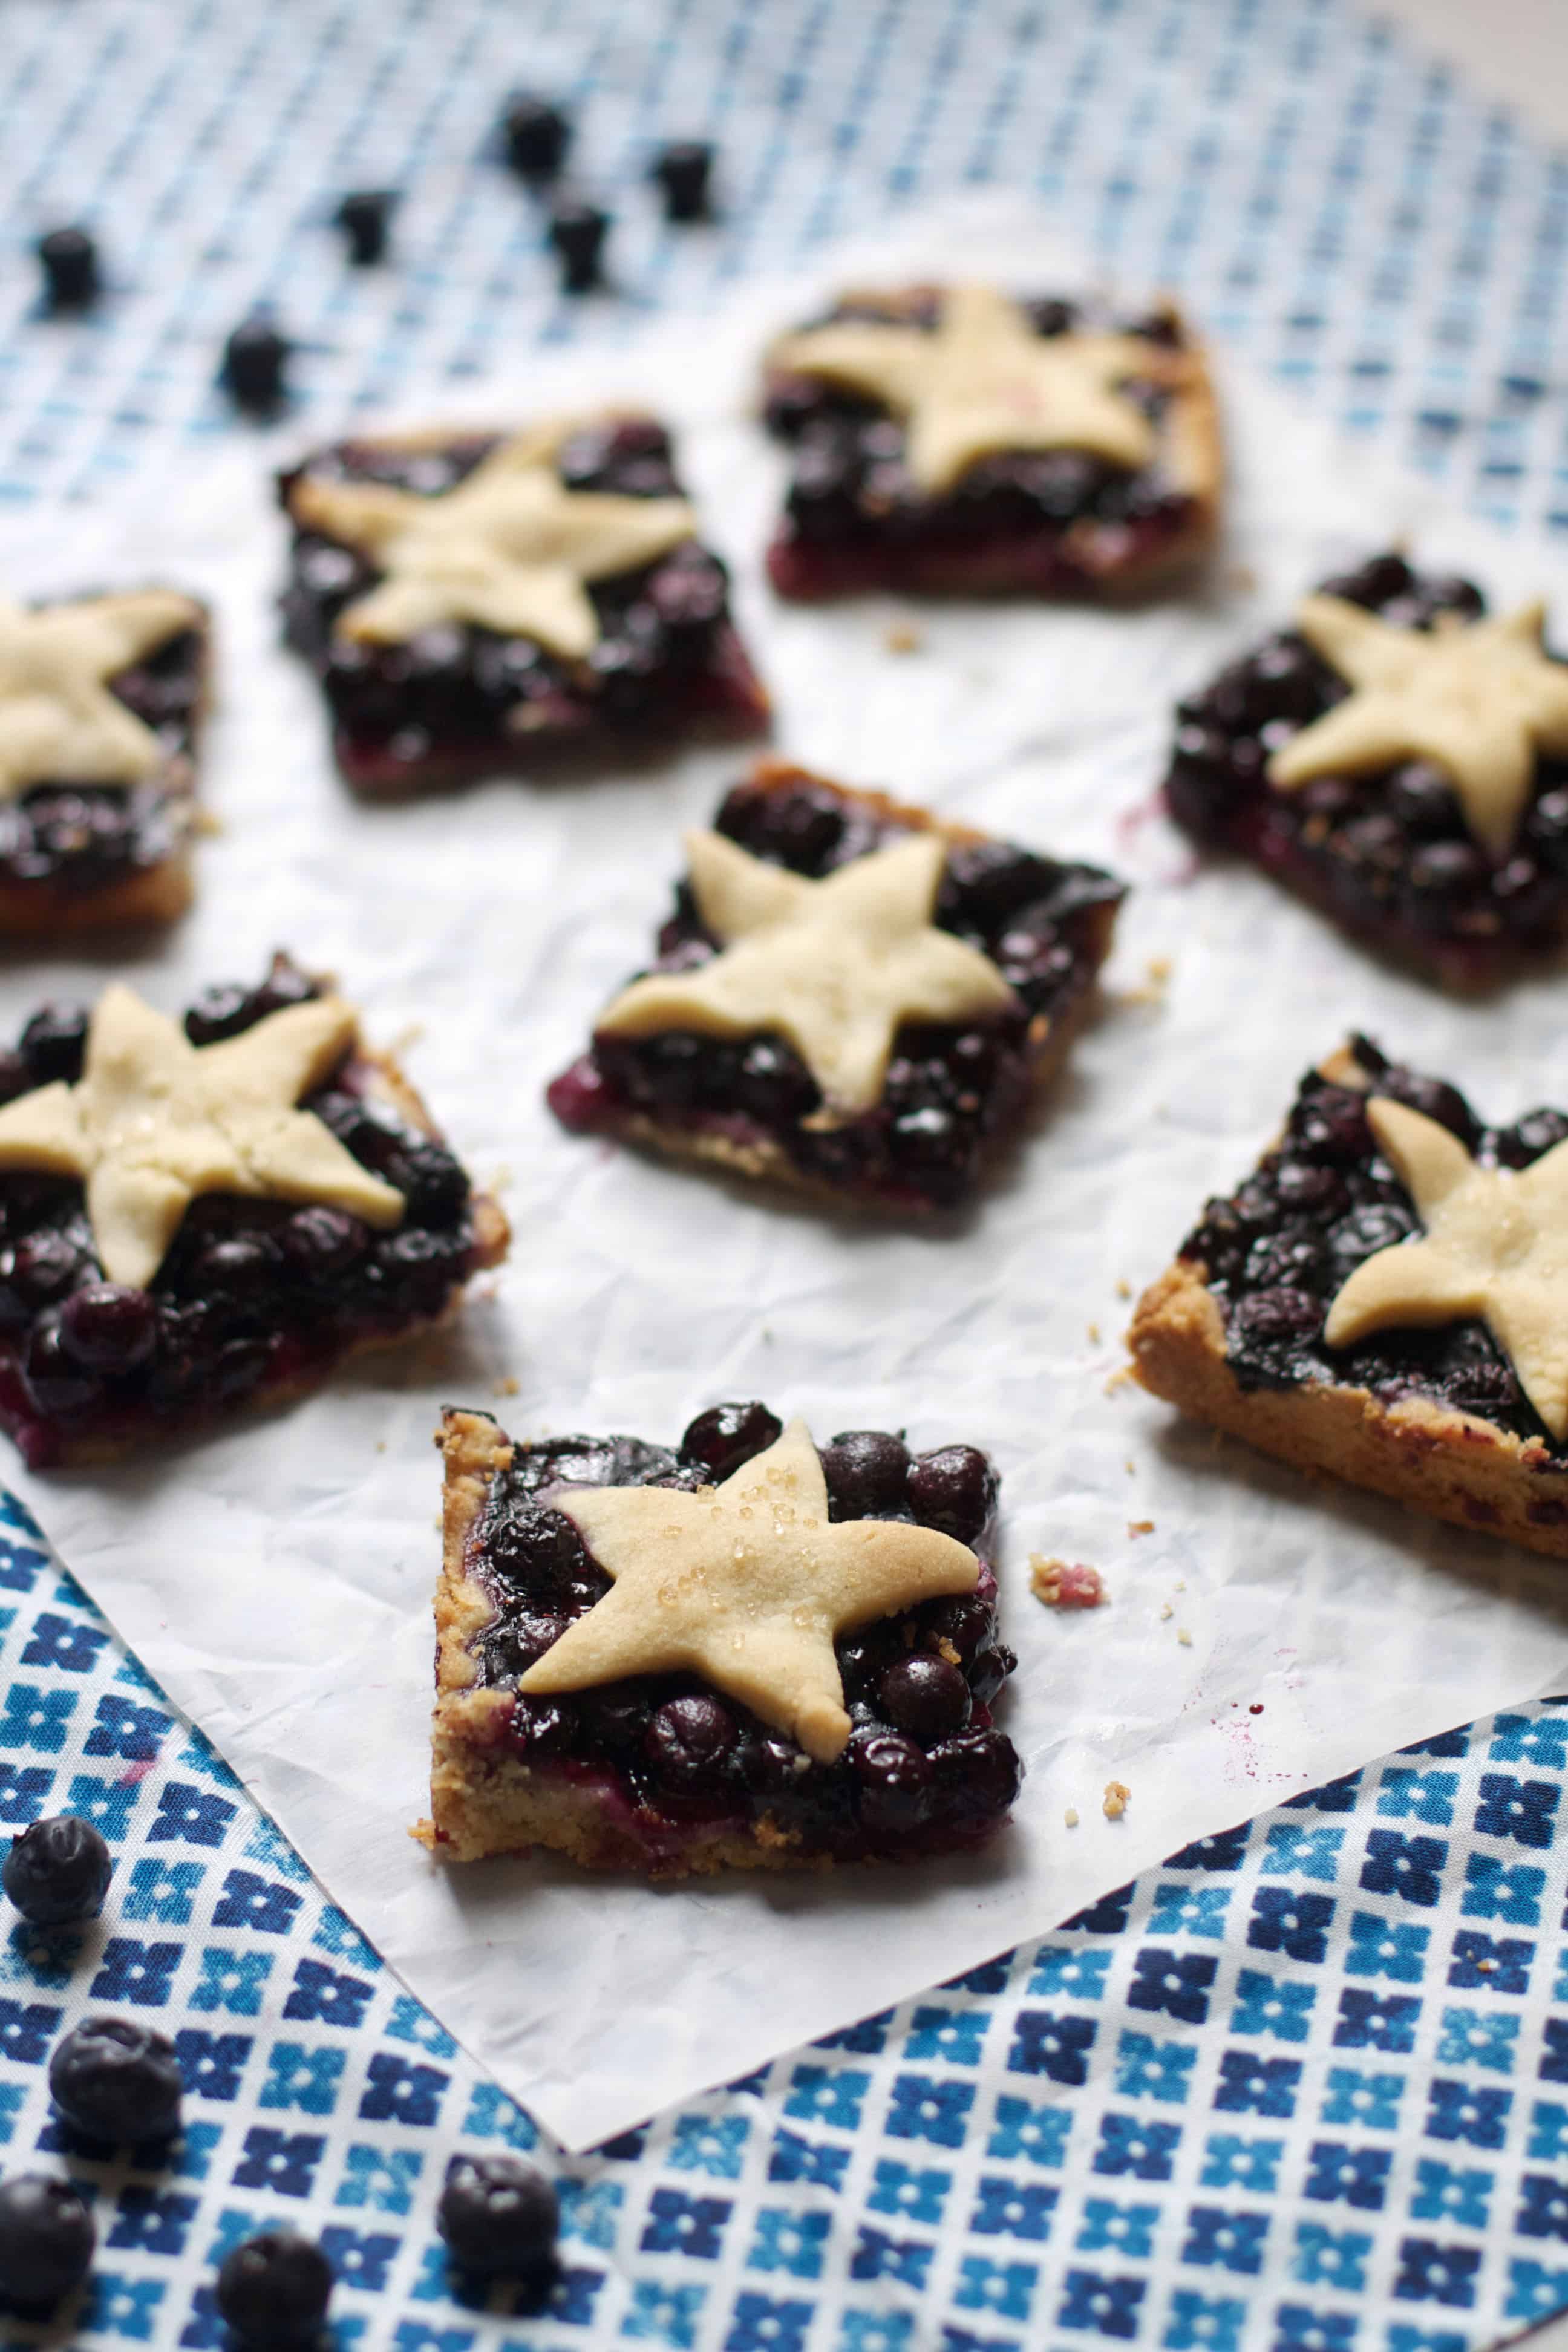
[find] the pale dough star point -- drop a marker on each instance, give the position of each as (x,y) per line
(983,381)
(833,966)
(1495,1247)
(59,720)
(1480,700)
(153,1120)
(509,547)
(745,1584)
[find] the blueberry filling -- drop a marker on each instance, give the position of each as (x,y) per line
(462,696)
(79,838)
(251,1291)
(852,496)
(1279,1250)
(949,1092)
(925,1767)
(1388,855)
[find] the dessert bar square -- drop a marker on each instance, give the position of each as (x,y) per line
(850,996)
(739,1653)
(196,1216)
(952,440)
(101,703)
(1345,758)
(1384,1299)
(481,603)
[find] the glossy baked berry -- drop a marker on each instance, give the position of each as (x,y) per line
(925,1696)
(54,1380)
(254,361)
(53,1042)
(498,2216)
(57,1871)
(724,1436)
(689,1743)
(577,232)
(535,136)
(954,1489)
(893,1782)
(117,2080)
(109,1327)
(274,2289)
(867,1473)
(68,259)
(46,2239)
(682,170)
(365,216)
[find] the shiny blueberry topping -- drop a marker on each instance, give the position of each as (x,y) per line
(894,1782)
(47,2238)
(535,136)
(53,1041)
(498,2216)
(868,1473)
(577,232)
(68,259)
(682,170)
(925,1696)
(117,2080)
(365,216)
(954,1489)
(57,1871)
(726,1436)
(274,2289)
(689,1743)
(109,1327)
(255,364)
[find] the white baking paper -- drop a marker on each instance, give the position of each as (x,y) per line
(1262,1634)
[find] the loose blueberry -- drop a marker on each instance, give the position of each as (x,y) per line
(68,259)
(275,2289)
(54,1041)
(255,359)
(868,1473)
(57,1871)
(954,1490)
(724,1436)
(535,135)
(117,2080)
(47,2238)
(577,232)
(689,1742)
(365,216)
(498,2216)
(682,170)
(109,1327)
(925,1696)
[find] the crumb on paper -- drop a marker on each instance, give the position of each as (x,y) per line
(1242,576)
(509,1387)
(1069,1818)
(1120,1379)
(1066,1583)
(1185,1638)
(904,637)
(1151,988)
(1094,1335)
(1118,1797)
(205,823)
(1165,1612)
(406,1039)
(381,1445)
(501,1180)
(1130,1467)
(1181,1583)
(1140,1526)
(1123,1287)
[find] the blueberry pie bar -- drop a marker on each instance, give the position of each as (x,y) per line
(102,700)
(951,440)
(849,997)
(1385,1298)
(745,1651)
(480,604)
(196,1216)
(1400,762)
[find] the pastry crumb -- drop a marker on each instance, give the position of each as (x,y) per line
(1166,1611)
(204,823)
(1242,576)
(1181,1583)
(1118,1797)
(1066,1583)
(1130,1467)
(1185,1638)
(1120,1379)
(1070,1817)
(1140,1526)
(1094,1335)
(1123,1287)
(509,1387)
(1151,988)
(904,637)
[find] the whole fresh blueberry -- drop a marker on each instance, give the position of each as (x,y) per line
(577,232)
(57,1871)
(689,1742)
(535,135)
(68,259)
(682,170)
(117,2080)
(954,1489)
(255,359)
(925,1696)
(498,2216)
(724,1436)
(46,2239)
(109,1327)
(365,216)
(867,1473)
(54,1041)
(275,2288)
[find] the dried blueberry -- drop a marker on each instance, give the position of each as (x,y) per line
(498,2216)
(689,1742)
(925,1696)
(47,2238)
(868,1473)
(117,2080)
(54,1041)
(535,136)
(577,232)
(954,1489)
(682,169)
(68,259)
(274,2289)
(57,1871)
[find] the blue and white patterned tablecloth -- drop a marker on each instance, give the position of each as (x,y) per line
(1305,2088)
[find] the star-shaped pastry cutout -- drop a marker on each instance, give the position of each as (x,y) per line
(983,381)
(1480,700)
(834,966)
(59,721)
(153,1120)
(1496,1247)
(507,549)
(745,1584)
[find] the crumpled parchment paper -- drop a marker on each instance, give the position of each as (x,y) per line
(276,1579)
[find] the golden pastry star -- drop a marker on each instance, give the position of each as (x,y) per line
(1496,1247)
(745,1584)
(59,720)
(983,381)
(1478,699)
(835,966)
(155,1121)
(507,549)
